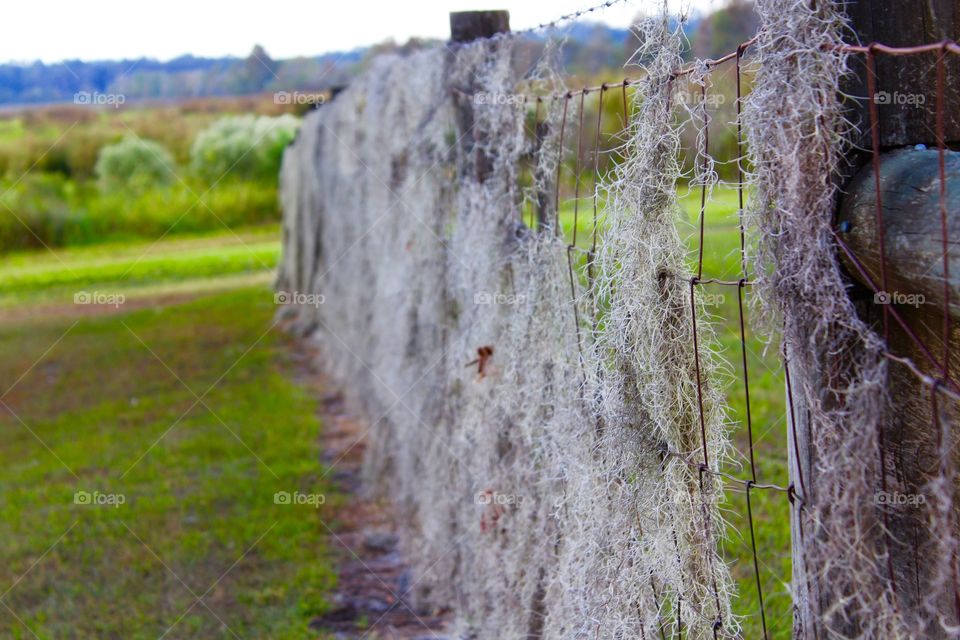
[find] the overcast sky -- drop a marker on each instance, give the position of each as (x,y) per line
(54,30)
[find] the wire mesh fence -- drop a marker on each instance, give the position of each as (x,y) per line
(712,220)
(594,126)
(738,505)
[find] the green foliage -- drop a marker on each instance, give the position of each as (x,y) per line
(50,210)
(720,32)
(180,208)
(49,157)
(35,210)
(135,164)
(248,147)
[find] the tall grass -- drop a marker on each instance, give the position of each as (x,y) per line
(50,210)
(72,175)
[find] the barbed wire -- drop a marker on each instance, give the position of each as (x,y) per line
(576,15)
(552,24)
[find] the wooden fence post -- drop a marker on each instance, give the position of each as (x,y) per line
(466,26)
(473,25)
(906,86)
(903,128)
(545,203)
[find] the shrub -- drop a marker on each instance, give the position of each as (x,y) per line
(247,147)
(134,163)
(35,211)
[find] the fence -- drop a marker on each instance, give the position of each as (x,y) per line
(544,299)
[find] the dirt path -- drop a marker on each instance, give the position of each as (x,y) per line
(147,296)
(374,580)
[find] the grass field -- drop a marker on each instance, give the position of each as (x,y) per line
(767,412)
(85,411)
(177,424)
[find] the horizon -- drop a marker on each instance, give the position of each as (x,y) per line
(84,36)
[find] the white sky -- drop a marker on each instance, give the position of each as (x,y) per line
(54,30)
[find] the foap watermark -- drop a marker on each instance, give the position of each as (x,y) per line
(493,505)
(297,498)
(99,298)
(98,499)
(498,499)
(899,98)
(97,99)
(299,98)
(696,98)
(498,98)
(486,297)
(298,298)
(897,499)
(897,297)
(712,299)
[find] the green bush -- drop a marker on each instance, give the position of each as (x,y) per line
(76,177)
(35,211)
(245,147)
(135,164)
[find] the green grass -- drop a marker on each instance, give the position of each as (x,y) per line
(142,269)
(107,404)
(770,509)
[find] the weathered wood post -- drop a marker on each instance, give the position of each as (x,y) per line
(896,249)
(466,26)
(473,25)
(545,203)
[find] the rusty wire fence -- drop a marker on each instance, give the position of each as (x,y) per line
(760,491)
(769,498)
(593,127)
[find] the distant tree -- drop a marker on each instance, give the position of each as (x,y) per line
(386,46)
(722,31)
(256,71)
(714,34)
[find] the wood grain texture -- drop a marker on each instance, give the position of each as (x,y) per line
(906,85)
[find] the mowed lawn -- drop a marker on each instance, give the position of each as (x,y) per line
(141,450)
